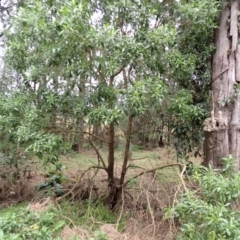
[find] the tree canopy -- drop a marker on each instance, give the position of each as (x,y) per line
(107,63)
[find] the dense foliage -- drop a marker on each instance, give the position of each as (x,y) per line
(211,211)
(87,65)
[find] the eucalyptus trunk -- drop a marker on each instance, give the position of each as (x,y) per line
(222,129)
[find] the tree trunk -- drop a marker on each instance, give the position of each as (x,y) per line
(127,151)
(111,135)
(112,182)
(222,130)
(80,119)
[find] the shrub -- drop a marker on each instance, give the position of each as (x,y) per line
(26,224)
(210,212)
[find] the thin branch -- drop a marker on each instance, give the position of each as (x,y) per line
(122,207)
(181,177)
(89,51)
(2,9)
(130,165)
(220,74)
(100,158)
(125,78)
(144,123)
(78,181)
(7,28)
(135,159)
(118,72)
(101,139)
(75,131)
(149,171)
(129,74)
(100,73)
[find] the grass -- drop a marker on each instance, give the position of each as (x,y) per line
(4,212)
(91,214)
(168,175)
(23,223)
(137,148)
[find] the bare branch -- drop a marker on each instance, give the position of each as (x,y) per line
(78,181)
(75,131)
(118,72)
(151,170)
(100,158)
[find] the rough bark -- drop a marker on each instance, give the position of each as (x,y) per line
(222,135)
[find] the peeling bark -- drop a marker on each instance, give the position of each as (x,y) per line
(220,141)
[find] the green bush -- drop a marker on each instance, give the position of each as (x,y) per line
(54,182)
(20,223)
(210,212)
(26,224)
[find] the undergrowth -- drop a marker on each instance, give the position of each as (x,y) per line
(210,211)
(19,222)
(91,214)
(26,224)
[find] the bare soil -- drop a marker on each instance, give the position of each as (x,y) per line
(20,188)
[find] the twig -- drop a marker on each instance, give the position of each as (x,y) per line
(121,212)
(64,130)
(77,182)
(215,78)
(129,195)
(151,213)
(100,158)
(142,125)
(70,220)
(118,71)
(176,193)
(133,166)
(151,170)
(181,177)
(135,159)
